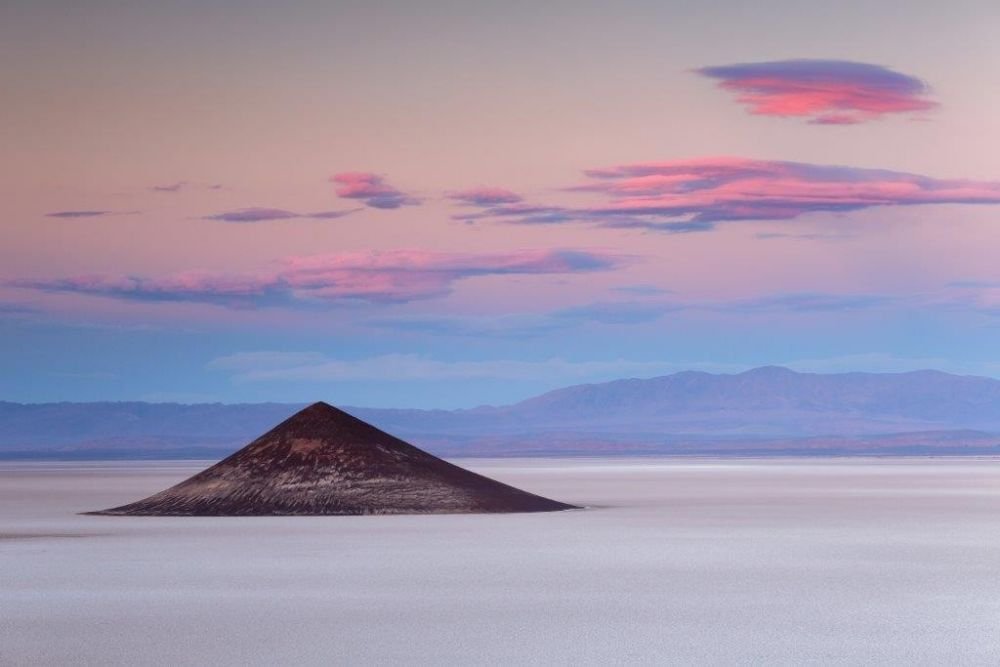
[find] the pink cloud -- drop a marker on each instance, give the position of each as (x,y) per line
(726,188)
(389,276)
(696,194)
(372,189)
(827,92)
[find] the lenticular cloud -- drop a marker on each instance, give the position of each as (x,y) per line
(826,92)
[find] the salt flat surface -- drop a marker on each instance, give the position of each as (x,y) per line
(829,561)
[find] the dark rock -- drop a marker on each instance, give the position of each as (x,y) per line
(325,461)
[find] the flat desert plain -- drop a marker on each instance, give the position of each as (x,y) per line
(675,561)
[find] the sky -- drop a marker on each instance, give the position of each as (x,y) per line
(444,204)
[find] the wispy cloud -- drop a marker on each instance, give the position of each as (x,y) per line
(259,367)
(170,188)
(723,189)
(509,326)
(617,312)
(14,308)
(628,313)
(811,302)
(980,296)
(372,189)
(86,214)
(874,362)
(486,196)
(520,212)
(816,236)
(265,360)
(528,325)
(642,290)
(975,284)
(267,366)
(393,276)
(256,214)
(179,186)
(693,195)
(826,92)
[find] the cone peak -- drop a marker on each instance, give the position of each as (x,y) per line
(319,407)
(323,419)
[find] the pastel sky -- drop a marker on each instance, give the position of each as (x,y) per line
(445,204)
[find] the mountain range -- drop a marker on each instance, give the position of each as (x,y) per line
(768,410)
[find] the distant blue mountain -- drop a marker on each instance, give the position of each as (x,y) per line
(770,409)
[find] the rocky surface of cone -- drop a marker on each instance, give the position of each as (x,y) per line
(325,461)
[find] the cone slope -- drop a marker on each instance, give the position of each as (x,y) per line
(323,461)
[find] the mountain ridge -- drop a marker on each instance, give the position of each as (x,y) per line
(766,402)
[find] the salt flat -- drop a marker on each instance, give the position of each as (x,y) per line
(830,561)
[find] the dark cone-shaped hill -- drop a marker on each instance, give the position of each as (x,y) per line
(324,461)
